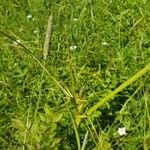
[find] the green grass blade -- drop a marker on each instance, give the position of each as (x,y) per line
(75,130)
(13,38)
(120,88)
(85,140)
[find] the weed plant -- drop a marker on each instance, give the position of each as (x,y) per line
(93,83)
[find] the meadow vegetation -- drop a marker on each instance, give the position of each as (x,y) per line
(70,100)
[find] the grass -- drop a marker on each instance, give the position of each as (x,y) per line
(75,98)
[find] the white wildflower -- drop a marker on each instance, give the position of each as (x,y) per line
(17,41)
(35,31)
(29,16)
(75,19)
(105,44)
(74,47)
(122,131)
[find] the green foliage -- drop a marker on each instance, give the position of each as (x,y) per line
(58,103)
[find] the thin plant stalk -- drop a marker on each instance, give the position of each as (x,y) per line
(113,93)
(120,88)
(85,140)
(27,127)
(13,38)
(75,129)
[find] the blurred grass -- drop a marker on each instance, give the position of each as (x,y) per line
(112,39)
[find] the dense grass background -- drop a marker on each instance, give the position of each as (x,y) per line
(113,43)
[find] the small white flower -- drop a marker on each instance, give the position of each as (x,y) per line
(17,41)
(35,31)
(75,19)
(105,44)
(74,47)
(29,16)
(122,131)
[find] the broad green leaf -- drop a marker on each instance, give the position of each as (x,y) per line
(48,111)
(42,117)
(18,124)
(57,117)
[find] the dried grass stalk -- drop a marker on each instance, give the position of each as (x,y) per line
(48,37)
